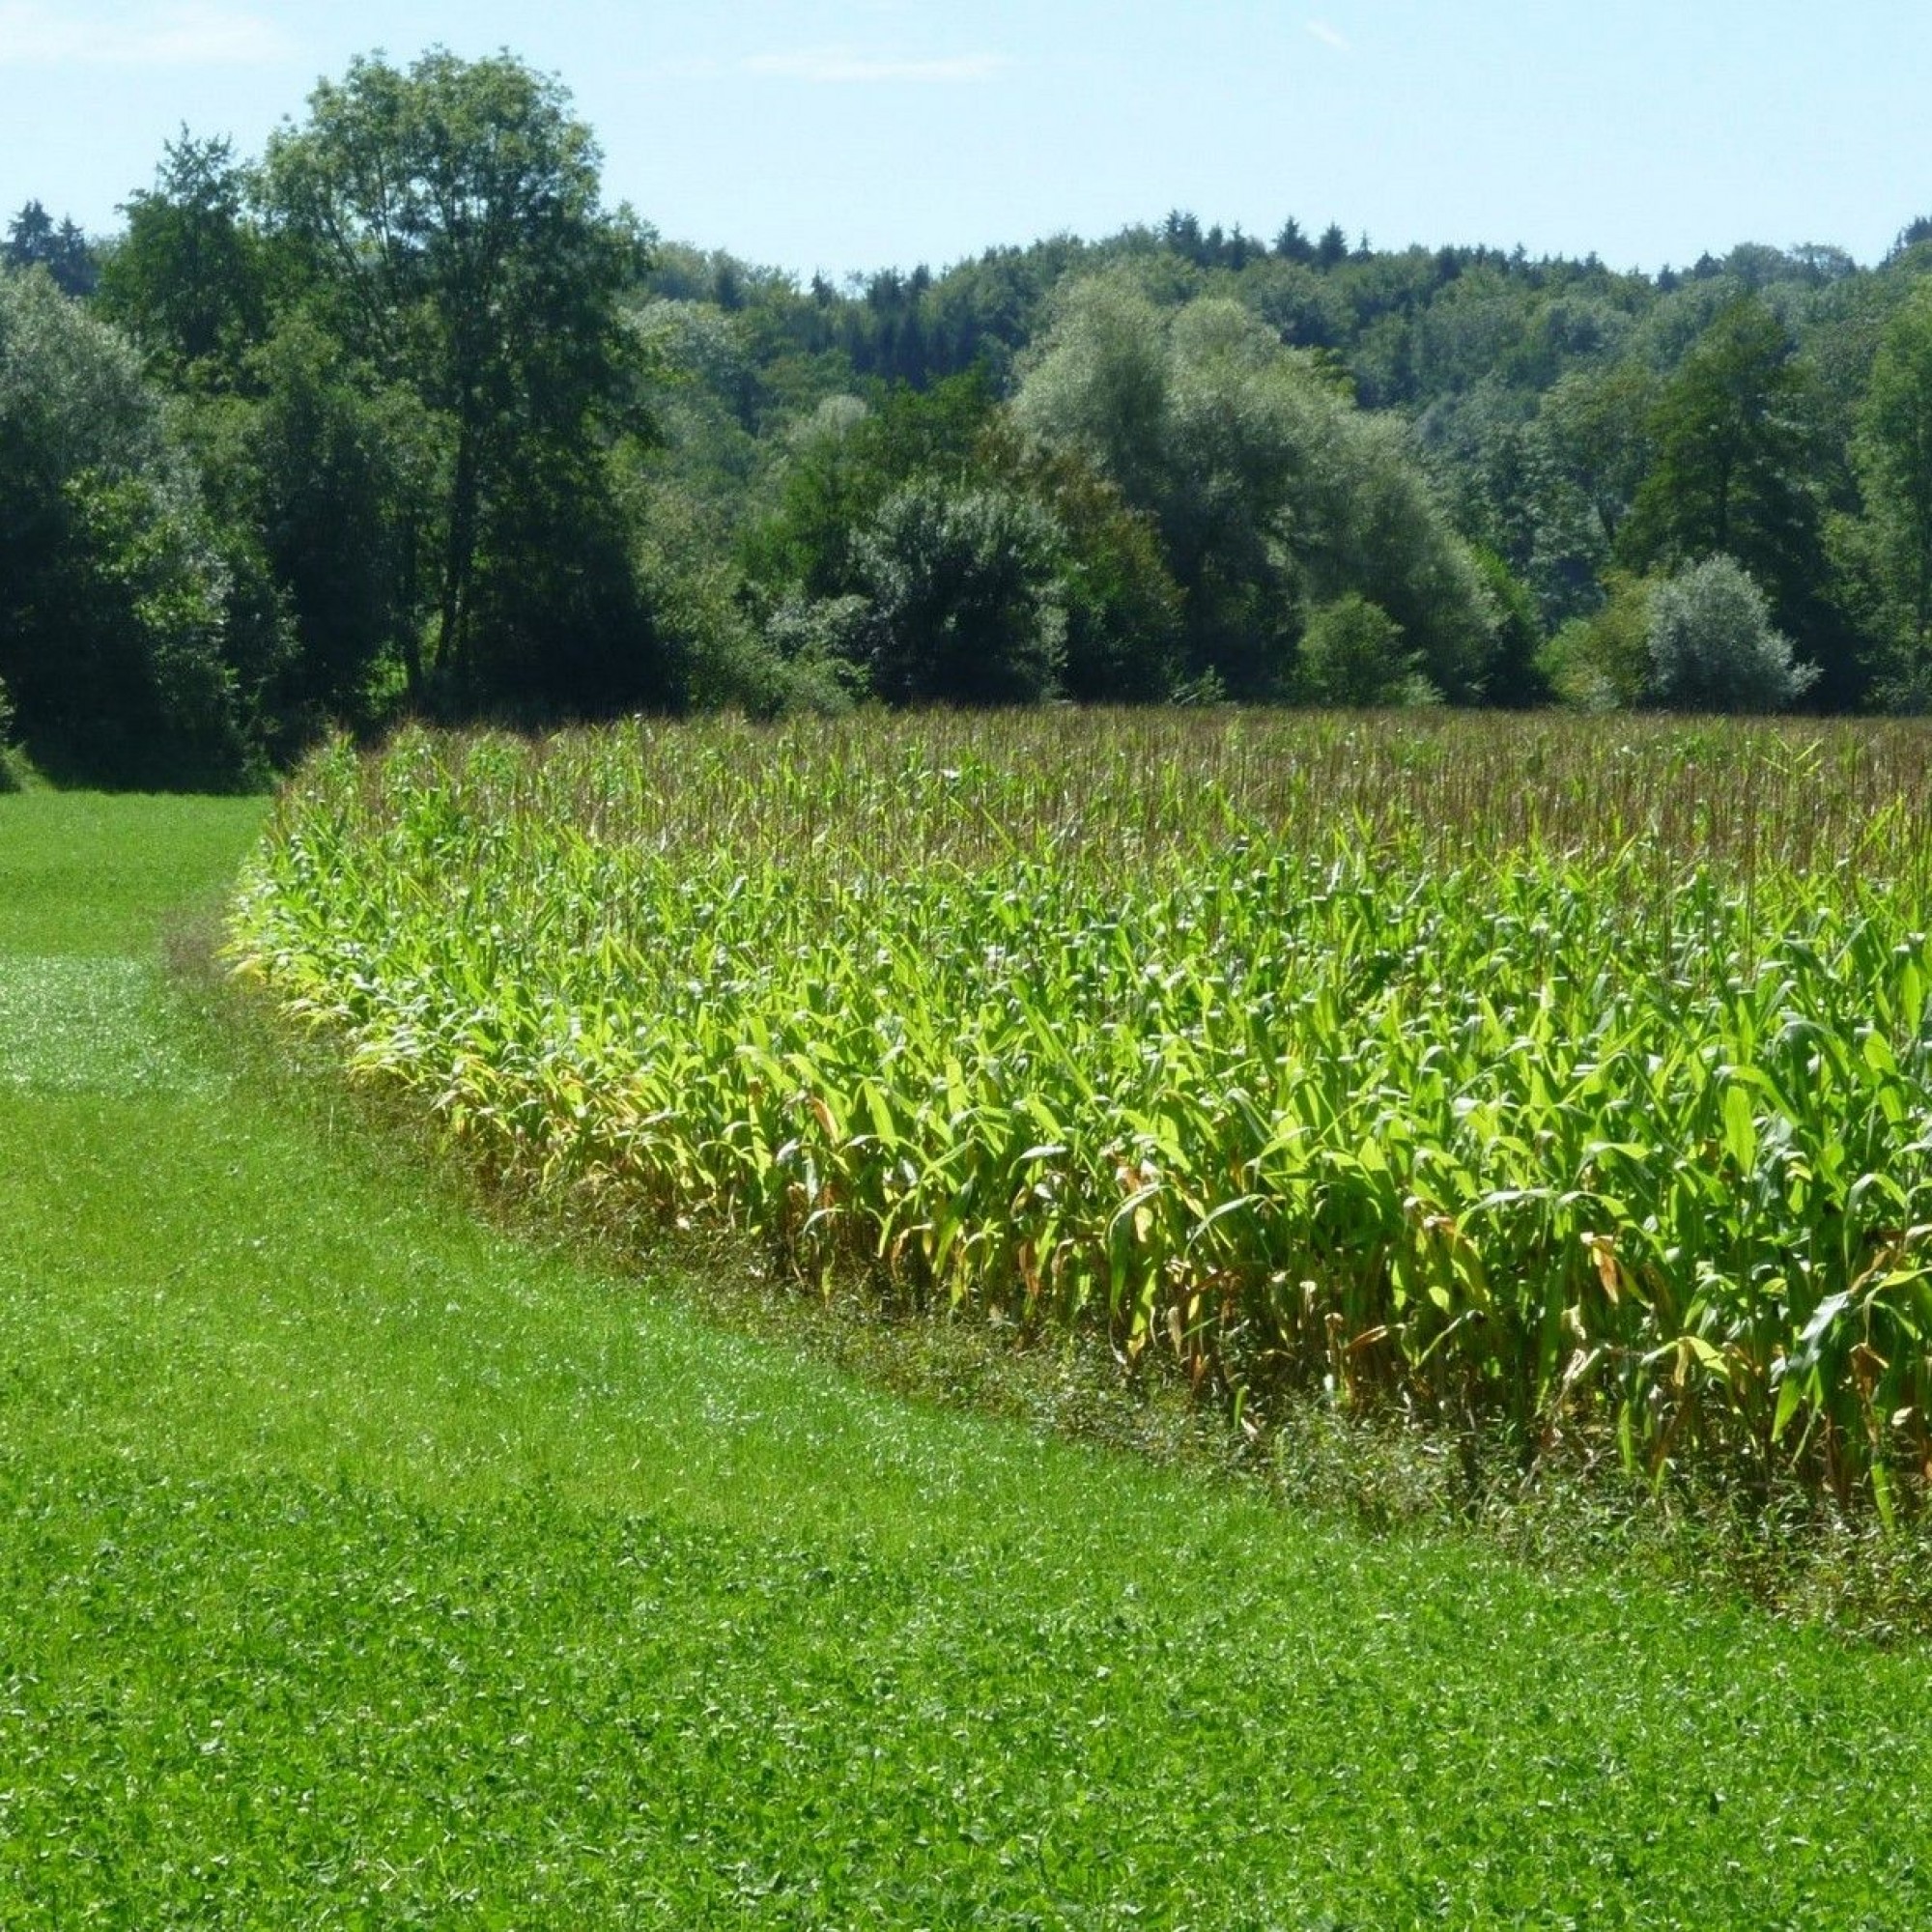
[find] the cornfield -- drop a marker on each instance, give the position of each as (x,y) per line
(1567,1074)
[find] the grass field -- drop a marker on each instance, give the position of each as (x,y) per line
(362,1567)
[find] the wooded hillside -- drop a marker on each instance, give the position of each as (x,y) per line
(399,416)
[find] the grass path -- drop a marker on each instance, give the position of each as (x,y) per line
(360,1567)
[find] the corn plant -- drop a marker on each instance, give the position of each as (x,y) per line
(1570,1076)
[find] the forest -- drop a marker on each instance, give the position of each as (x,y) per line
(398,418)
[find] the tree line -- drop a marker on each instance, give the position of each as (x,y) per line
(400,417)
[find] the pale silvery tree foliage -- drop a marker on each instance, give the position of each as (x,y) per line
(1712,646)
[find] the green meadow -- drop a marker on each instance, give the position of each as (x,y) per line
(361,1564)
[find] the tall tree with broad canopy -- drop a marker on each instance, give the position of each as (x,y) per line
(189,279)
(1893,454)
(1733,453)
(447,222)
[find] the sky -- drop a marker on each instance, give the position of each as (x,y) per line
(838,137)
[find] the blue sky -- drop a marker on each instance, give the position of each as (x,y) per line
(852,135)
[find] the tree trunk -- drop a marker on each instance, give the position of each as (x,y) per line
(459,557)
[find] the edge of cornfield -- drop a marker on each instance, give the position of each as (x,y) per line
(1788,1551)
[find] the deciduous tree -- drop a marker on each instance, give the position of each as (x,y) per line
(1733,453)
(1712,646)
(1892,453)
(449,224)
(965,592)
(122,638)
(189,279)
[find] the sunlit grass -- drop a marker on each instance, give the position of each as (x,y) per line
(88,873)
(87,1024)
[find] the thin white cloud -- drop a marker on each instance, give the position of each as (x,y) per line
(835,67)
(191,32)
(1330,37)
